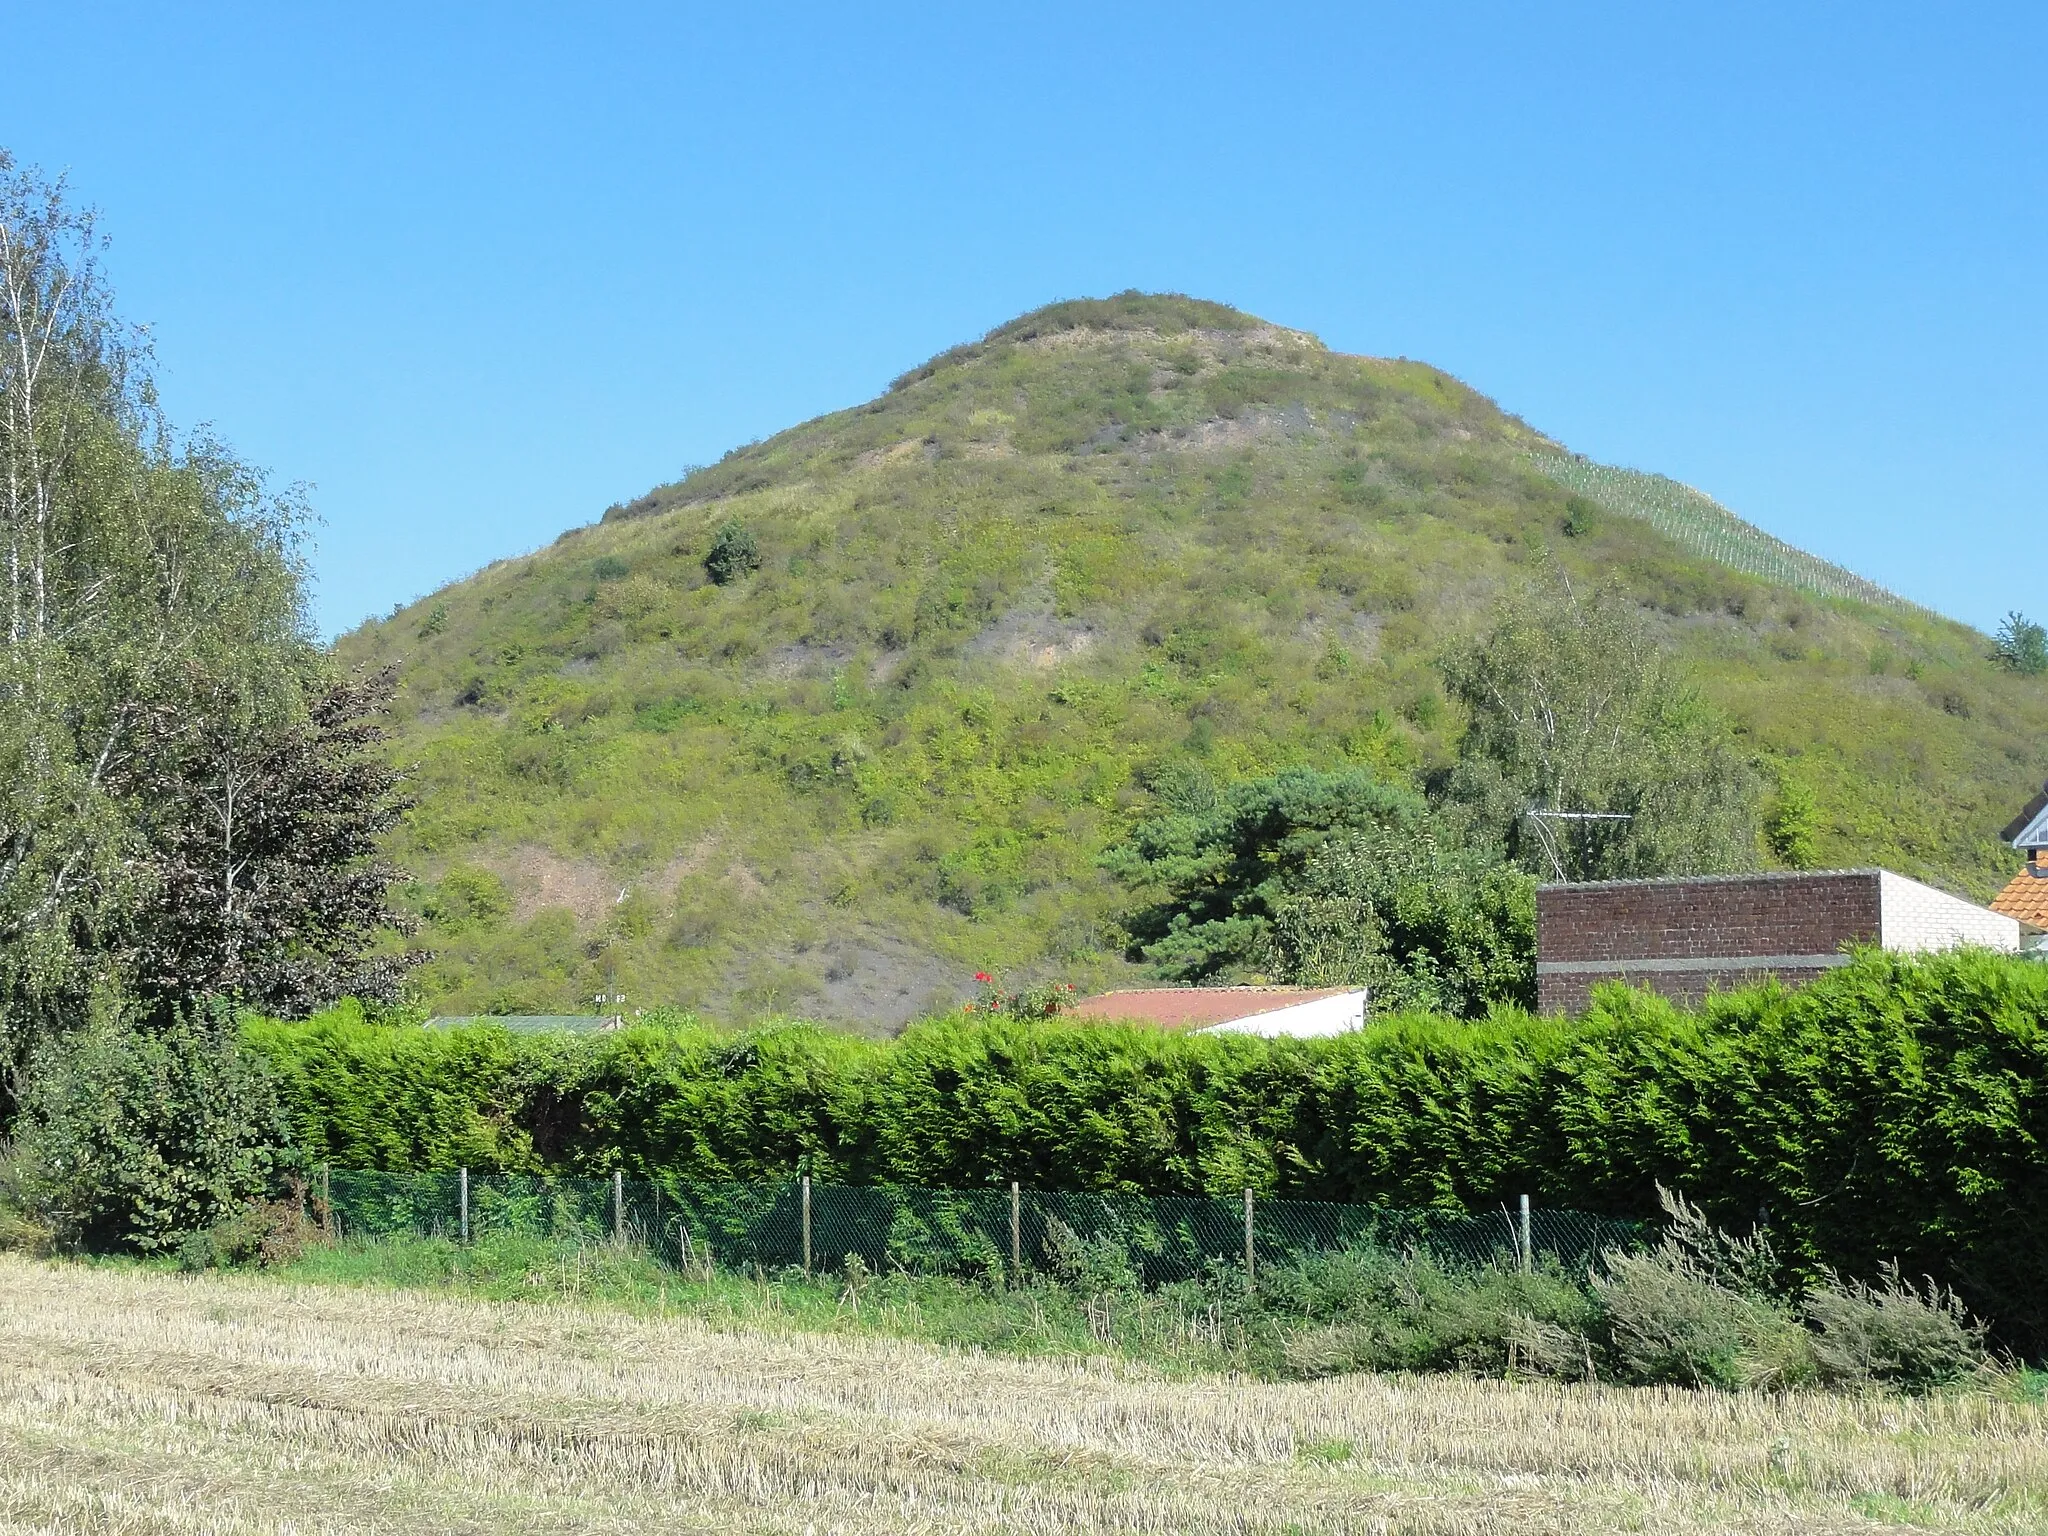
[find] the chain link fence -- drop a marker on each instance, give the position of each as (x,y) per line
(989,1233)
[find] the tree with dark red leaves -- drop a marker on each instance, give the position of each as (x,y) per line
(265,878)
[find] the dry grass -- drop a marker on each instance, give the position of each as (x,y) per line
(134,1401)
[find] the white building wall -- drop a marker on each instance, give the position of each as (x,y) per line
(1914,917)
(1323,1016)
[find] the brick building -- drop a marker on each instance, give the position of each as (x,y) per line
(1685,937)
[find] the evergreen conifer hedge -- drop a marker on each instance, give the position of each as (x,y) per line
(1896,1109)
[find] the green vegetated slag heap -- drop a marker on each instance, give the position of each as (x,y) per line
(1896,1110)
(829,725)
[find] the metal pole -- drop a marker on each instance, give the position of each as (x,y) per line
(1016,1232)
(1249,1260)
(327,1198)
(465,1205)
(807,1224)
(1528,1258)
(618,1206)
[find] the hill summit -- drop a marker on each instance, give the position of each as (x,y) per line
(829,725)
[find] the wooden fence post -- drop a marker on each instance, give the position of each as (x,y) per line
(618,1206)
(1016,1233)
(1528,1254)
(1249,1259)
(807,1225)
(465,1204)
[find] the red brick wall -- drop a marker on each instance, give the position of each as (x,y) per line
(1698,921)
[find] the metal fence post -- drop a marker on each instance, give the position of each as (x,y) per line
(618,1206)
(1528,1255)
(807,1225)
(1016,1232)
(1249,1259)
(327,1198)
(464,1185)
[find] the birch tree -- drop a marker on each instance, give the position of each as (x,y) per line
(140,576)
(1588,755)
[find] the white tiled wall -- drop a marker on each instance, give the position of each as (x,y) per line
(1912,916)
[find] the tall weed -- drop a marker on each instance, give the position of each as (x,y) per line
(1895,1333)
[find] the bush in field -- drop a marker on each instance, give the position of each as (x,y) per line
(1669,1320)
(137,1135)
(1892,1333)
(20,1231)
(1409,1312)
(1704,1308)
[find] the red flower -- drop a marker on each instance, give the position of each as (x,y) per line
(983,976)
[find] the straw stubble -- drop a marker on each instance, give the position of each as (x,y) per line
(135,1401)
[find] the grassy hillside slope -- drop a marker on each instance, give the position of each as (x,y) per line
(1109,536)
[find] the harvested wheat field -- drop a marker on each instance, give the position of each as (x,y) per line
(134,1401)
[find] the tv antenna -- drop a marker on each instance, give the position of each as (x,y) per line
(611,1001)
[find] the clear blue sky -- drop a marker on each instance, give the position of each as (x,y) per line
(477,273)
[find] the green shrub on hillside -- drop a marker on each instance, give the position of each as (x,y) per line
(2022,646)
(733,553)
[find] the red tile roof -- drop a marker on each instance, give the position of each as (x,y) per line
(2025,897)
(1196,1007)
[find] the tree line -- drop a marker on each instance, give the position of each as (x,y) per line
(192,798)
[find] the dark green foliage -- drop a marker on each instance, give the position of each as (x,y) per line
(136,1135)
(1223,861)
(1427,924)
(266,877)
(2022,646)
(1327,879)
(733,554)
(1895,1110)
